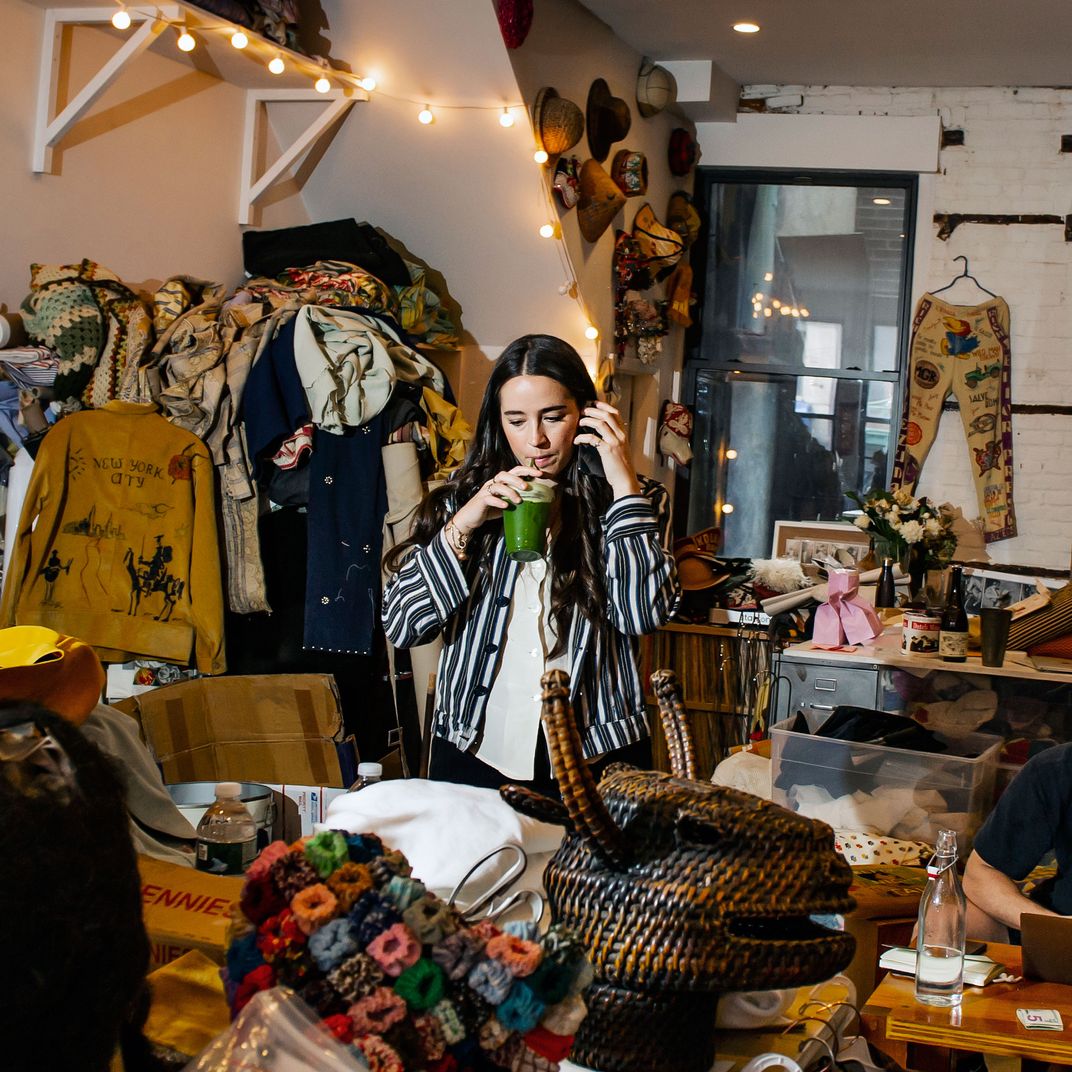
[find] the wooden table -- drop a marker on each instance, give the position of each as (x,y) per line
(985,1022)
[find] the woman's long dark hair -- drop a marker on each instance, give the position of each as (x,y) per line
(576,564)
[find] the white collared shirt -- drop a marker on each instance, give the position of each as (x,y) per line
(512,721)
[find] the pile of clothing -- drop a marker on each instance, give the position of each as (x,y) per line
(300,385)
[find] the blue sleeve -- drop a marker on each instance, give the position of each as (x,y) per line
(642,585)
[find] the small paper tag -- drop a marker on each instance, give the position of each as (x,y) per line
(1040,1019)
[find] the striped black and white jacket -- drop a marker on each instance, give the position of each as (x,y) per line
(433,594)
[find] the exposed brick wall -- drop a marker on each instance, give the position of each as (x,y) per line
(1010,163)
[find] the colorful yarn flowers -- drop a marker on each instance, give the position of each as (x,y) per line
(395,972)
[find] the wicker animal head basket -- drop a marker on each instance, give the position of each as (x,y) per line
(679,890)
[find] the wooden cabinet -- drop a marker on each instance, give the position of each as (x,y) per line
(724,674)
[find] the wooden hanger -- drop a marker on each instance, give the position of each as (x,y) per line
(964,275)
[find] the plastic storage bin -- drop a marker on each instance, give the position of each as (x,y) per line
(882,790)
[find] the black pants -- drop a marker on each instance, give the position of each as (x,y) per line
(448,763)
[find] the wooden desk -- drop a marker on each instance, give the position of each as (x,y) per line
(985,1022)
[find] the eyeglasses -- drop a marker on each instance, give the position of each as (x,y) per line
(42,758)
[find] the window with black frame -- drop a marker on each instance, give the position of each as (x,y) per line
(795,375)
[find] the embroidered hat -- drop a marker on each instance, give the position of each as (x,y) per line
(567,183)
(557,122)
(600,201)
(656,87)
(59,672)
(630,172)
(515,21)
(682,154)
(608,119)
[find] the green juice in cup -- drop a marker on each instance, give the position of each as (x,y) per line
(525,523)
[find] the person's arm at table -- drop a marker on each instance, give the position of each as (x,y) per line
(997,895)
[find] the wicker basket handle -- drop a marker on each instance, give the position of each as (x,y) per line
(675,722)
(588,813)
(536,805)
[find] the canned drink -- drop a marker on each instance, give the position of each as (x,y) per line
(919,635)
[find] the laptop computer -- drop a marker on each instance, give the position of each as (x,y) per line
(1047,947)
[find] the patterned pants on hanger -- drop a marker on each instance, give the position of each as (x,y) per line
(964,350)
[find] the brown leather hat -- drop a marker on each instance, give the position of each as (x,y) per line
(608,118)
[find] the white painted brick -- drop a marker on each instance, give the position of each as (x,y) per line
(1010,163)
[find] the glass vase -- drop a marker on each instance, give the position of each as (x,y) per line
(898,550)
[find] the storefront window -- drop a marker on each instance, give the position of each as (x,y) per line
(795,377)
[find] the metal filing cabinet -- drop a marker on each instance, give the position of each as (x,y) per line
(816,688)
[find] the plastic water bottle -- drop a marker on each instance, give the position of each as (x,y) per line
(940,935)
(226,834)
(367,774)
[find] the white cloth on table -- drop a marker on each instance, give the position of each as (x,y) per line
(443,829)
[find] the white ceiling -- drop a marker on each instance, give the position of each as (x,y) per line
(857,42)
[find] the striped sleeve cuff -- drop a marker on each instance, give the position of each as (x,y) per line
(628,516)
(443,574)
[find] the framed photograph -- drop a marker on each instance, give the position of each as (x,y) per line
(804,540)
(992,588)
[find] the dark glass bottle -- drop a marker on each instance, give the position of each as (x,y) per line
(953,638)
(886,593)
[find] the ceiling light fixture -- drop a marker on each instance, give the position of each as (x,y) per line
(746,27)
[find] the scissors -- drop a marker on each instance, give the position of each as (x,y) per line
(485,906)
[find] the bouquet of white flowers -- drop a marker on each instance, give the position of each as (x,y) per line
(907,524)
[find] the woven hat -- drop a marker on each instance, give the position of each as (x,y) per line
(656,87)
(683,217)
(600,202)
(608,118)
(56,671)
(515,21)
(658,244)
(683,154)
(630,172)
(558,122)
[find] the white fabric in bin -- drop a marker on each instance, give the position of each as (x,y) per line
(902,812)
(443,829)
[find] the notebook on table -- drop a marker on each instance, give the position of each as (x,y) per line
(1047,947)
(1051,664)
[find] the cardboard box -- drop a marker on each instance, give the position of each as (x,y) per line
(310,806)
(185,909)
(266,728)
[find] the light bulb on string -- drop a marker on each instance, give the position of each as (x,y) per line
(121,19)
(591,332)
(239,40)
(727,508)
(548,230)
(426,115)
(276,65)
(186,40)
(731,454)
(506,119)
(540,156)
(368,84)
(322,84)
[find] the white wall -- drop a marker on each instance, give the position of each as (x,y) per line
(1010,163)
(146,184)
